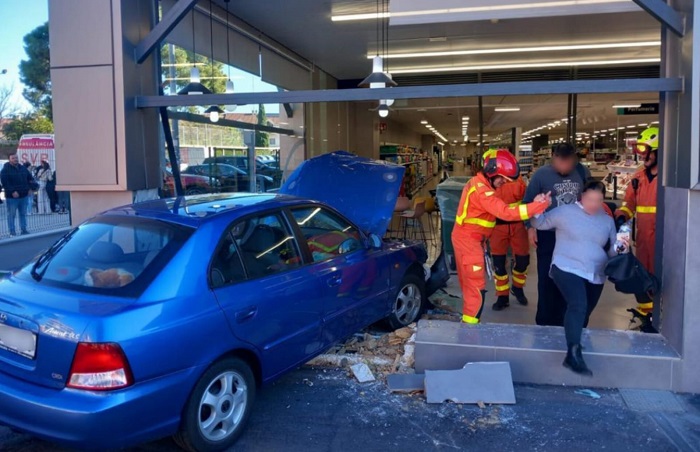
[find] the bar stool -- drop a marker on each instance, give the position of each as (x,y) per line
(415,217)
(402,205)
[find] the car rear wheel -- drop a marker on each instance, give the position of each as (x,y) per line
(218,408)
(195,191)
(409,302)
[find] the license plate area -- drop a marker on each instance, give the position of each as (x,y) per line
(15,340)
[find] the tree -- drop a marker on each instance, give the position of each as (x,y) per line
(212,76)
(262,139)
(7,108)
(35,72)
(32,123)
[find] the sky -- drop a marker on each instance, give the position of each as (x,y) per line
(19,17)
(29,14)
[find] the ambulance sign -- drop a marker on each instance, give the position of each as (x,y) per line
(35,148)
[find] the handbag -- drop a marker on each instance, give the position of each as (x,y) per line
(629,276)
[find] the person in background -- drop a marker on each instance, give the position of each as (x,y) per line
(564,178)
(43,177)
(640,202)
(585,240)
(476,217)
(29,200)
(510,235)
(15,180)
(51,192)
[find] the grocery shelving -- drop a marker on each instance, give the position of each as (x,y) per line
(624,170)
(525,158)
(419,167)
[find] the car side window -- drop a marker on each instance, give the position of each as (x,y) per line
(267,245)
(327,234)
(227,266)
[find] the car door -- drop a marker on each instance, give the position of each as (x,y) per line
(270,298)
(354,278)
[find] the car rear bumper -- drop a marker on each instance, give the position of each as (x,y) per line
(93,420)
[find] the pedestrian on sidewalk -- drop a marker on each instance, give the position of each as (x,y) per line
(564,178)
(43,177)
(16,181)
(51,192)
(33,186)
(585,238)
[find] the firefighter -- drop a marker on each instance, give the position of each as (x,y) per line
(513,235)
(640,202)
(478,209)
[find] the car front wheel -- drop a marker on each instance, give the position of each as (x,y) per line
(218,408)
(409,302)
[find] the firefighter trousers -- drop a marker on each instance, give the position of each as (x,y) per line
(469,256)
(510,236)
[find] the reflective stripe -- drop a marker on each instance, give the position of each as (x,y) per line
(502,288)
(501,277)
(460,218)
(523,212)
(646,209)
(627,211)
(649,305)
(516,272)
(476,268)
(518,280)
(489,193)
(515,204)
(480,222)
(470,320)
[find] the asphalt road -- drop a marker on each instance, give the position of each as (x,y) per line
(15,253)
(324,410)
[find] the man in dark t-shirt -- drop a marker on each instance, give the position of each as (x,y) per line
(565,178)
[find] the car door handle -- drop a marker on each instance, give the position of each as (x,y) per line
(334,281)
(246,314)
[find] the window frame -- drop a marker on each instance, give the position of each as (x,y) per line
(302,239)
(284,219)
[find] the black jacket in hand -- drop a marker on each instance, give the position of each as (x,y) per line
(15,178)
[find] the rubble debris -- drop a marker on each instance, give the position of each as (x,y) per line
(362,372)
(406,382)
(587,393)
(488,382)
(307,382)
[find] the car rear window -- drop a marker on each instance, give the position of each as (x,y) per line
(116,255)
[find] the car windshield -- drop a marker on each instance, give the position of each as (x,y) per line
(117,255)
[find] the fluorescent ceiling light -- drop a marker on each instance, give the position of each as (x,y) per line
(507,109)
(631,133)
(631,127)
(627,106)
(523,66)
(563,48)
(472,9)
(424,122)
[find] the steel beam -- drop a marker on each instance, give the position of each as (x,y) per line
(420,92)
(162,28)
(174,162)
(227,122)
(665,14)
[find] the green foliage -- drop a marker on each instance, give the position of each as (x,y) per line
(32,123)
(213,77)
(262,139)
(35,72)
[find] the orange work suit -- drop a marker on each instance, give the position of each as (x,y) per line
(511,235)
(642,204)
(478,209)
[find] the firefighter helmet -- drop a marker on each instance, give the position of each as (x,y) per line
(501,163)
(648,141)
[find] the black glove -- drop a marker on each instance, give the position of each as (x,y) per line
(619,221)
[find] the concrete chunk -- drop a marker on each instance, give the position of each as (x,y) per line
(476,382)
(362,372)
(406,382)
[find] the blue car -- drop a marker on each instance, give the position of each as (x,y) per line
(166,317)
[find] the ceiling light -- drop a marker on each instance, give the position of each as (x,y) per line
(507,109)
(427,126)
(465,118)
(627,106)
(631,127)
(524,66)
(367,16)
(424,122)
(378,78)
(654,122)
(383,111)
(612,45)
(214,113)
(621,128)
(631,133)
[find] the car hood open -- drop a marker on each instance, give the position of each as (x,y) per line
(362,189)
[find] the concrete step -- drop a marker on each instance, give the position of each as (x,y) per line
(618,359)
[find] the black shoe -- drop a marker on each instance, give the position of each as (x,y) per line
(519,295)
(501,303)
(574,361)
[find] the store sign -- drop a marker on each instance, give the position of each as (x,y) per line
(644,109)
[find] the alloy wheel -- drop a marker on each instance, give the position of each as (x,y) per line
(222,406)
(408,303)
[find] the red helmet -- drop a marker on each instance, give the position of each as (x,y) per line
(501,163)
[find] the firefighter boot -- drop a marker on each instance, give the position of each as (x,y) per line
(519,294)
(501,303)
(574,360)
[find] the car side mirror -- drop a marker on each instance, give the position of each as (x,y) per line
(375,241)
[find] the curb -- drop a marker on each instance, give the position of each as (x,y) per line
(34,235)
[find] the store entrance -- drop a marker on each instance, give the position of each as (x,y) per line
(441,142)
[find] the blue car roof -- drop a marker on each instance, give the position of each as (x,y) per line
(194,210)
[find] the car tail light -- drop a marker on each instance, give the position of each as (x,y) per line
(99,367)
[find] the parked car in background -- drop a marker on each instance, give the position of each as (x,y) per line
(261,167)
(231,178)
(192,184)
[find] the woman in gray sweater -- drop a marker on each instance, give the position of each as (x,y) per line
(585,238)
